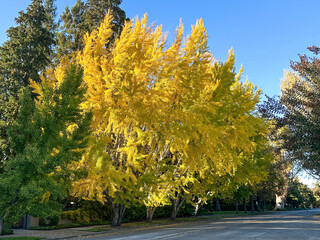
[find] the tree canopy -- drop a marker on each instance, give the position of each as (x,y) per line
(300,96)
(48,136)
(83,17)
(167,110)
(118,114)
(26,53)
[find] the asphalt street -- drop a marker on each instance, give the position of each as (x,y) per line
(280,225)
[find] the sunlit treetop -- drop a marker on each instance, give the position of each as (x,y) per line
(158,104)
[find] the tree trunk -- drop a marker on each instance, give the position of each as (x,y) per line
(258,204)
(198,205)
(118,211)
(150,212)
(218,207)
(263,204)
(176,206)
(244,206)
(280,200)
(237,207)
(1,224)
(251,203)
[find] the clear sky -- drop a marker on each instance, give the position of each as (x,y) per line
(265,34)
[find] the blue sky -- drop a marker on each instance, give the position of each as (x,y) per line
(265,34)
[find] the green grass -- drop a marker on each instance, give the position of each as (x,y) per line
(22,238)
(157,222)
(69,225)
(168,222)
(99,229)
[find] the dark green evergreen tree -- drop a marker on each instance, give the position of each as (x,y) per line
(84,17)
(37,178)
(72,29)
(26,53)
(97,9)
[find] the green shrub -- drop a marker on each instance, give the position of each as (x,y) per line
(135,213)
(139,212)
(163,212)
(80,215)
(89,211)
(186,210)
(50,221)
(6,229)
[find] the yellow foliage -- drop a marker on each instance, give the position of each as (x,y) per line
(288,80)
(45,197)
(54,152)
(164,117)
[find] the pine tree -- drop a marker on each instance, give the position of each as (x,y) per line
(96,11)
(25,54)
(84,17)
(71,33)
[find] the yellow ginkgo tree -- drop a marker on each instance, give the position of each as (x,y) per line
(163,115)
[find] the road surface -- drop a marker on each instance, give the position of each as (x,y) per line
(301,225)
